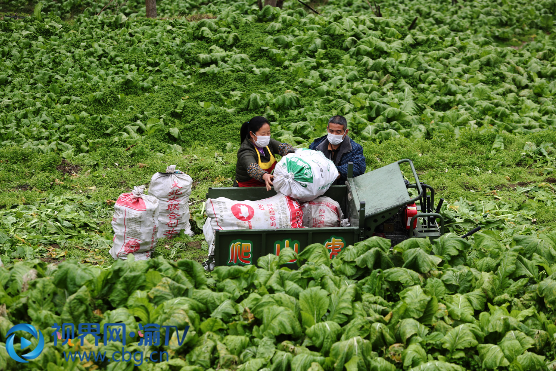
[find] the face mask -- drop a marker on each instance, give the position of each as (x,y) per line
(335,139)
(262,142)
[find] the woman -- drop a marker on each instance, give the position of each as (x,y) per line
(255,158)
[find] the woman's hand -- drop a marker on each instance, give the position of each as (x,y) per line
(268,180)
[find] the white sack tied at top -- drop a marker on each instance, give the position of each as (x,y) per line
(172,189)
(135,225)
(304,175)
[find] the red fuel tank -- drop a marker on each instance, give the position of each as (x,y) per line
(410,212)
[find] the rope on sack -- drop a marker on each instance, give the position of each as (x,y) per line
(138,191)
(171,169)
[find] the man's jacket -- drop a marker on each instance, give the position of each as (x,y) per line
(349,151)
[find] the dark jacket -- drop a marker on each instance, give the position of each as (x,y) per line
(247,166)
(349,151)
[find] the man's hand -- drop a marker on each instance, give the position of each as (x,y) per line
(338,177)
(268,181)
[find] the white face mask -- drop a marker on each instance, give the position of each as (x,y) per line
(335,139)
(262,142)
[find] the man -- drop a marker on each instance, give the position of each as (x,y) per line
(341,149)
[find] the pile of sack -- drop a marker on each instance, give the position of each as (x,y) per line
(275,212)
(299,178)
(140,219)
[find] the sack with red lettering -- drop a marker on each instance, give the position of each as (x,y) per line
(322,212)
(270,213)
(172,189)
(135,225)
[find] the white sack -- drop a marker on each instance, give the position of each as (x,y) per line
(270,213)
(172,189)
(135,225)
(209,236)
(304,175)
(322,212)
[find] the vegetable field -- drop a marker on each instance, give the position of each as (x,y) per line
(95,98)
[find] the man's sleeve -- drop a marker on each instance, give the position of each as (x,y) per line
(359,164)
(343,170)
(358,160)
(313,145)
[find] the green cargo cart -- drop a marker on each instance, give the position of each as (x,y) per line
(374,203)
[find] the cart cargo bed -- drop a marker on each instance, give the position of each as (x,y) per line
(368,201)
(245,246)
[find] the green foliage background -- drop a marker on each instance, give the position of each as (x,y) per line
(122,96)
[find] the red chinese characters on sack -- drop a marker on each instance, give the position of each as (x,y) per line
(174,208)
(170,233)
(174,195)
(131,246)
(175,192)
(153,238)
(296,214)
(320,219)
(272,215)
(173,220)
